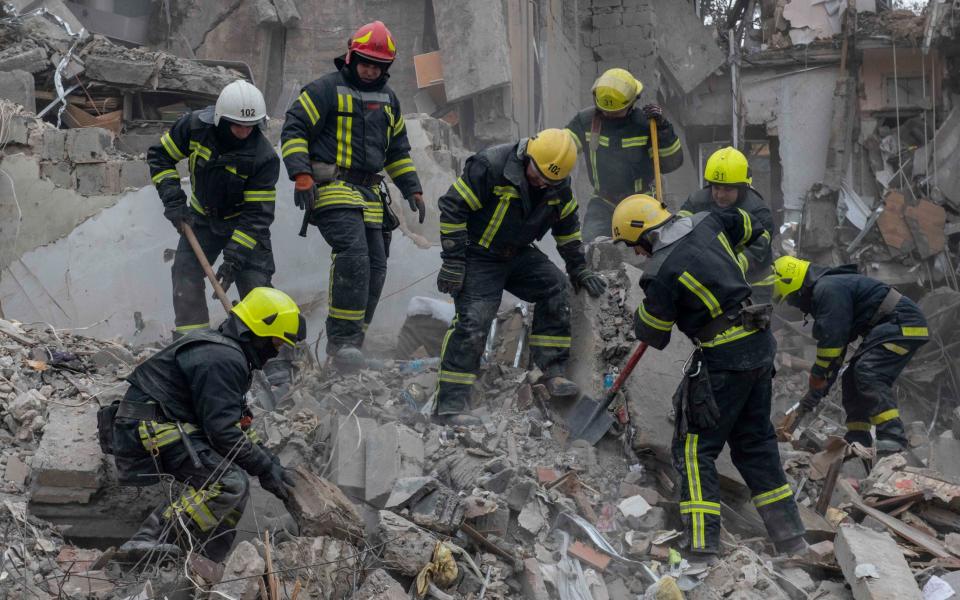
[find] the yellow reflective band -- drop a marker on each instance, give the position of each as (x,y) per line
(458,378)
(452,227)
(708,508)
(652,321)
(260,195)
(183,328)
(166,174)
(781,493)
(747,227)
(308,107)
(344,130)
(765,234)
(687,213)
(726,246)
(494,225)
(195,204)
(349,130)
(634,142)
(576,139)
(172,150)
(896,348)
(823,364)
(604,140)
(569,208)
(200,150)
(698,289)
(829,352)
(887,415)
(506,191)
(232,169)
(743,261)
(766,281)
(858,426)
(550,341)
(671,149)
(731,335)
(398,127)
(243,239)
(400,167)
(697,522)
(915,331)
(563,240)
(466,193)
(446,336)
(294,146)
(344,314)
(193,503)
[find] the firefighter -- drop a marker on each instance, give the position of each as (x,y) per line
(184,415)
(727,174)
(507,198)
(233,177)
(342,130)
(692,279)
(614,138)
(845,306)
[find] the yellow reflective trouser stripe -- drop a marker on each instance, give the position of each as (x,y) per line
(454,377)
(700,291)
(452,227)
(165,174)
(829,352)
(781,493)
(232,518)
(446,336)
(400,167)
(731,335)
(858,426)
(344,131)
(260,195)
(698,536)
(747,227)
(308,107)
(915,331)
(707,508)
(633,142)
(243,239)
(896,348)
(550,341)
(652,321)
(494,225)
(466,193)
(172,150)
(671,149)
(182,328)
(887,415)
(344,314)
(293,146)
(569,208)
(576,139)
(566,239)
(822,363)
(194,503)
(250,433)
(164,434)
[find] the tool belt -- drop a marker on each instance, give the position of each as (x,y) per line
(140,411)
(753,317)
(886,307)
(358,177)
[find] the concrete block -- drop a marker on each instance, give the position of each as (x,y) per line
(320,508)
(607,20)
(406,548)
(472,63)
(18,86)
(60,173)
(857,546)
(134,174)
(392,452)
(88,145)
(380,586)
(349,451)
(126,69)
(69,455)
(17,131)
(240,574)
(54,145)
(98,178)
(32,60)
(532,581)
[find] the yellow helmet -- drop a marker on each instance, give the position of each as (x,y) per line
(554,154)
(635,215)
(615,90)
(268,312)
(727,166)
(789,273)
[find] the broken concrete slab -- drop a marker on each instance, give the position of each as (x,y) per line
(471,63)
(856,547)
(392,452)
(321,509)
(332,561)
(532,581)
(94,179)
(89,145)
(348,462)
(18,86)
(265,13)
(240,574)
(406,547)
(287,13)
(69,456)
(380,586)
(31,59)
(441,510)
(687,47)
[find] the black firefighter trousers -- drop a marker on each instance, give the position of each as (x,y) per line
(358,269)
(530,276)
(189,288)
(743,400)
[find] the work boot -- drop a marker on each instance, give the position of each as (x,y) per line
(886,447)
(707,559)
(348,358)
(457,420)
(150,538)
(561,387)
(795,546)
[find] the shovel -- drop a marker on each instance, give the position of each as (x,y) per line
(205,265)
(590,420)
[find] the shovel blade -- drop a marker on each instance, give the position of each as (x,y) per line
(588,420)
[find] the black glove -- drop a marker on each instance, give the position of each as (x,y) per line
(810,401)
(416,204)
(278,481)
(234,260)
(175,208)
(450,278)
(653,111)
(590,281)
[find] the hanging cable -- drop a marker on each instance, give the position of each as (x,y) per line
(896,101)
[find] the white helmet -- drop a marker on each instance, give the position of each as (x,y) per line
(242,103)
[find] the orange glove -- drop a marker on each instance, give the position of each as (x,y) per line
(304,190)
(303,181)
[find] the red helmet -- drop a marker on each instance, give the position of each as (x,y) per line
(374,42)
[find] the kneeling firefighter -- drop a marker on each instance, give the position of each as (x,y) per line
(184,415)
(845,306)
(693,280)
